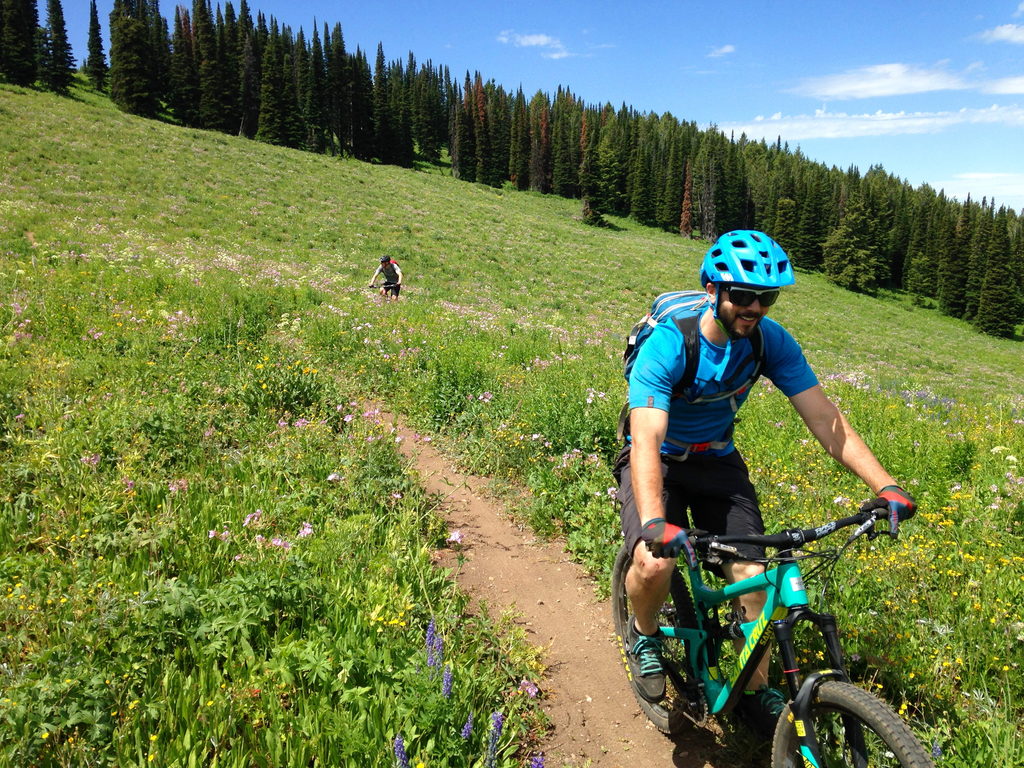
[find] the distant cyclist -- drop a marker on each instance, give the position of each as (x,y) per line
(680,454)
(392,275)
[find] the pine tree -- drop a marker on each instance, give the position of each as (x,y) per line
(978,260)
(540,142)
(271,124)
(96,63)
(519,150)
(58,62)
(999,308)
(18,41)
(686,214)
(846,260)
(249,88)
(183,95)
(131,55)
(362,107)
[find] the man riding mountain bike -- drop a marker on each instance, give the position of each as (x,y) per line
(680,454)
(392,274)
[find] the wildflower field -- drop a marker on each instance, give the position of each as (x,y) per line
(211,552)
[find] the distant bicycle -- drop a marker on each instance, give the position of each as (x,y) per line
(388,290)
(828,722)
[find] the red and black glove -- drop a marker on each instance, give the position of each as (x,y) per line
(666,540)
(901,506)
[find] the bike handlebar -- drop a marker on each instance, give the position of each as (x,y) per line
(704,542)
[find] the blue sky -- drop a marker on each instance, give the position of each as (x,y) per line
(933,90)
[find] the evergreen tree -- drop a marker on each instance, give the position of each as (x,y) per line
(383,133)
(316,98)
(338,90)
(211,92)
(58,62)
(18,41)
(273,105)
(131,55)
(785,230)
(919,277)
(686,214)
(540,142)
(951,289)
(847,261)
(519,150)
(362,107)
(978,260)
(183,96)
(249,89)
(96,63)
(999,308)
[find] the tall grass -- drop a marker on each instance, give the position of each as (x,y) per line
(205,284)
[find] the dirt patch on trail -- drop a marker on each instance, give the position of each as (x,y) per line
(585,694)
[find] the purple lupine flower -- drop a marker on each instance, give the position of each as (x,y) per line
(936,750)
(400,756)
(467,728)
(497,721)
(252,518)
(537,761)
(431,634)
(446,681)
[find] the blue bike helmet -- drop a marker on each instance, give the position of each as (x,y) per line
(747,257)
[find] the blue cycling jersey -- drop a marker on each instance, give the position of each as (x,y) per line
(662,359)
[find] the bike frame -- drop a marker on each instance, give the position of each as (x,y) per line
(785,606)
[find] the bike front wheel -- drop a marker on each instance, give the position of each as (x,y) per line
(854,728)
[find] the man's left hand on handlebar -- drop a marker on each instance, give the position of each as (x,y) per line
(901,506)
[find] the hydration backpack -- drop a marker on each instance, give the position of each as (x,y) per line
(684,308)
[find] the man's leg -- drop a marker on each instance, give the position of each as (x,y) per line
(647,585)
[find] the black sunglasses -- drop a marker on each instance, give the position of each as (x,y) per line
(744,297)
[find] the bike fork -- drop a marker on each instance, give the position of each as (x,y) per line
(802,692)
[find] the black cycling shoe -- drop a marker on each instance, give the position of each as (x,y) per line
(760,711)
(643,652)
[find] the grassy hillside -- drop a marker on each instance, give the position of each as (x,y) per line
(187,307)
(81,175)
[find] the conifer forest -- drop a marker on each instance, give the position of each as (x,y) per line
(213,68)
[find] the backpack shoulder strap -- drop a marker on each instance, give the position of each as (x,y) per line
(688,326)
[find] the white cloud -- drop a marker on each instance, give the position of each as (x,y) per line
(878,80)
(721,51)
(1019,11)
(841,125)
(553,48)
(1005,188)
(1006,85)
(1005,33)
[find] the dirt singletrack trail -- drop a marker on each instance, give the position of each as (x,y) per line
(596,720)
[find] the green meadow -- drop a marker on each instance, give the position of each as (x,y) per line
(211,551)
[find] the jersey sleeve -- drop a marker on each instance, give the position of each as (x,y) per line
(785,364)
(658,366)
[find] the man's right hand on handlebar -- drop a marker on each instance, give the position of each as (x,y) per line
(901,506)
(666,540)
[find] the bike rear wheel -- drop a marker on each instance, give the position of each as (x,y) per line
(854,728)
(670,714)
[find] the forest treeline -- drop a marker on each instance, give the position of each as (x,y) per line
(247,75)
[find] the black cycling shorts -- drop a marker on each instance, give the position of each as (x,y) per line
(715,490)
(393,289)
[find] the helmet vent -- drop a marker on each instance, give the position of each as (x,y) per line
(748,265)
(738,244)
(754,237)
(783,266)
(717,252)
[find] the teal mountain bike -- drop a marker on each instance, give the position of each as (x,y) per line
(828,721)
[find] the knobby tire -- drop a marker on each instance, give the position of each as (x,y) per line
(667,715)
(854,729)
